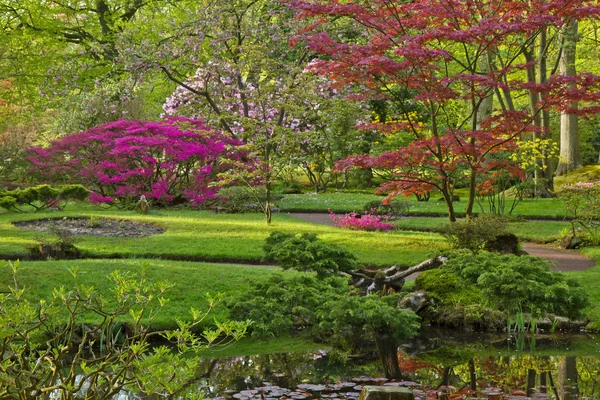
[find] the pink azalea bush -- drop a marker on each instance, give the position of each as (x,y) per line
(170,161)
(364,222)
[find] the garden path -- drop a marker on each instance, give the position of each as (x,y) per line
(563,260)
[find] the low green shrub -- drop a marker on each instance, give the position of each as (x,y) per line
(41,197)
(305,252)
(281,305)
(476,233)
(519,283)
(394,209)
(325,308)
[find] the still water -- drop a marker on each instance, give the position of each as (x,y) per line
(441,364)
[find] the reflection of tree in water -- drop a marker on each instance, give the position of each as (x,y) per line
(284,370)
(565,377)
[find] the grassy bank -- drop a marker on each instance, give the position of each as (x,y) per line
(204,236)
(191,281)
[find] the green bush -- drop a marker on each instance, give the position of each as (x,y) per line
(476,233)
(41,197)
(281,305)
(324,308)
(305,252)
(395,209)
(514,284)
(348,320)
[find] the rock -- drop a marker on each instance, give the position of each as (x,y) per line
(544,324)
(386,393)
(415,301)
(571,242)
(565,324)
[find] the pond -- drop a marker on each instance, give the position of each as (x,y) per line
(439,363)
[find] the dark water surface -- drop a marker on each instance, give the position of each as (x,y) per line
(439,363)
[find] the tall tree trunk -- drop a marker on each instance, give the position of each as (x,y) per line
(570,159)
(484,106)
(546,166)
(388,354)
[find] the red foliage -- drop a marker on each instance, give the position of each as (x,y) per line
(433,52)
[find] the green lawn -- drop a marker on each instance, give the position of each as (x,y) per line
(204,236)
(347,202)
(590,281)
(532,231)
(191,281)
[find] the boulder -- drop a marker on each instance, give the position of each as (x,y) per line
(415,301)
(571,242)
(386,393)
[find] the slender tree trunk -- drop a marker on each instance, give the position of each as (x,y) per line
(567,378)
(570,159)
(472,375)
(472,193)
(388,354)
(546,166)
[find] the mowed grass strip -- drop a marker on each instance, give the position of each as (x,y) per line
(530,231)
(191,282)
(340,202)
(204,236)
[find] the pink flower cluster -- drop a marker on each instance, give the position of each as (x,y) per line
(364,222)
(172,160)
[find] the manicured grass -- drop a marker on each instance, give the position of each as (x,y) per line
(191,281)
(204,236)
(347,202)
(590,281)
(531,231)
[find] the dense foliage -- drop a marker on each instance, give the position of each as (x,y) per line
(169,161)
(305,252)
(323,307)
(582,206)
(508,283)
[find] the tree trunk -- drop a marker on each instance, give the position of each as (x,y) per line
(570,159)
(546,166)
(567,378)
(388,354)
(472,375)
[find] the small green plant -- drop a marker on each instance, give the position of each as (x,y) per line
(93,221)
(61,247)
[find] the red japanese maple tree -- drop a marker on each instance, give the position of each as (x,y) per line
(450,58)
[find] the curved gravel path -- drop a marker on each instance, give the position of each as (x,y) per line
(563,260)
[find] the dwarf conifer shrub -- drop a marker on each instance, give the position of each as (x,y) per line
(305,252)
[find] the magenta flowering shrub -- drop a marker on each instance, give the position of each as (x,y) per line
(169,161)
(364,222)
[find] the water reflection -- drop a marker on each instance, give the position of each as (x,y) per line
(444,365)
